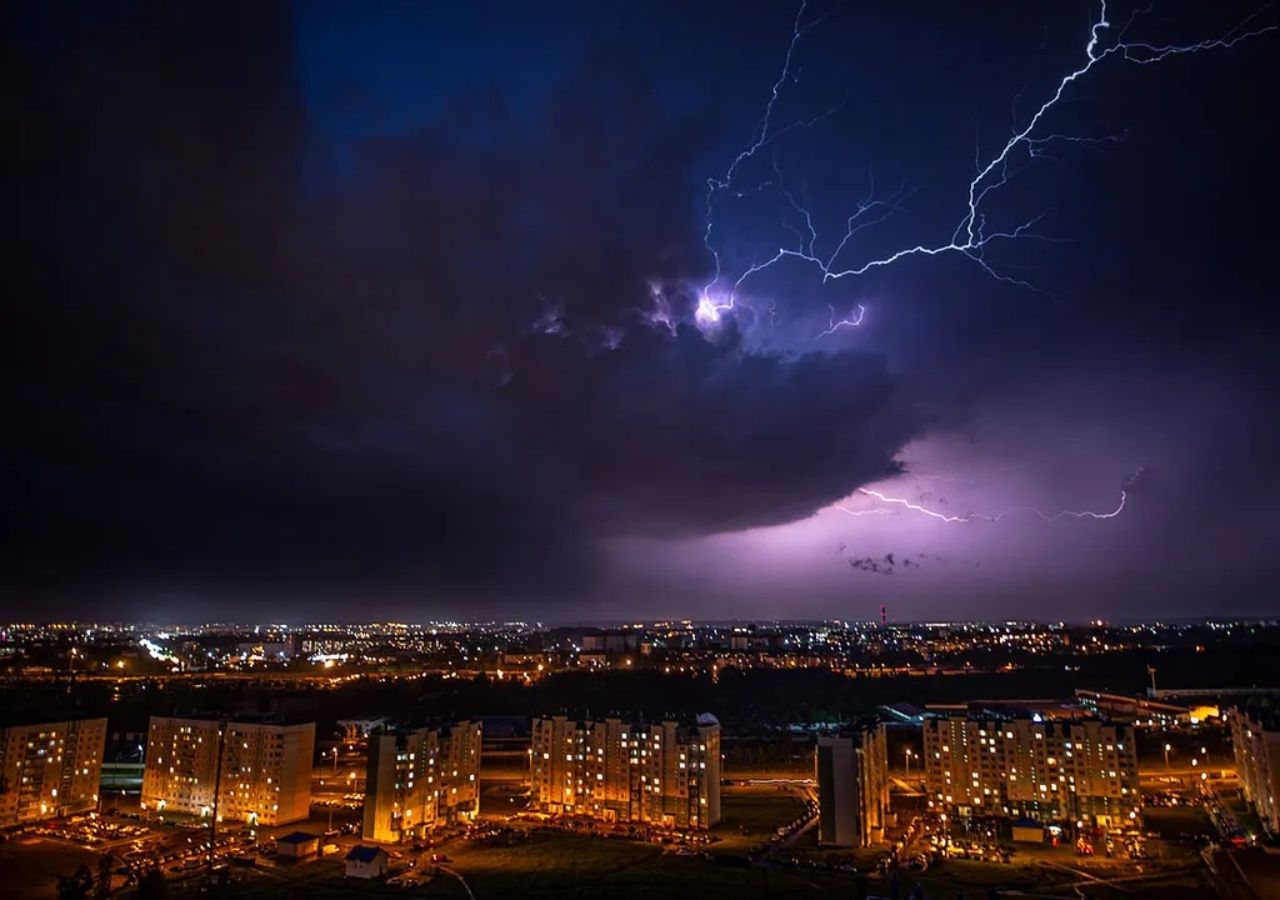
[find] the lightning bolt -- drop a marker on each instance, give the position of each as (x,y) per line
(859,513)
(709,310)
(853,320)
(970,238)
(905,504)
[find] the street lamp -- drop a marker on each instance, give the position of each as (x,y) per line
(1167,748)
(908,760)
(335,760)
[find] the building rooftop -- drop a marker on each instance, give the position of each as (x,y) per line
(852,728)
(297,837)
(361,853)
(272,719)
(639,720)
(989,716)
(401,728)
(907,712)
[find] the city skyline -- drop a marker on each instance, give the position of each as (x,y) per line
(677,758)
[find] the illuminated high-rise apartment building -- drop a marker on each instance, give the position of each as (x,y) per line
(421,778)
(261,773)
(1255,740)
(1072,771)
(664,773)
(49,769)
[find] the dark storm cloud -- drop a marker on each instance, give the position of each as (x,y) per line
(310,299)
(228,365)
(668,435)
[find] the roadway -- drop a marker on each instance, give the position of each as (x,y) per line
(807,790)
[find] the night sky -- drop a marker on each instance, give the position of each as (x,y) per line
(344,311)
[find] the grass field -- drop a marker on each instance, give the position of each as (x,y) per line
(555,864)
(563,865)
(31,866)
(751,814)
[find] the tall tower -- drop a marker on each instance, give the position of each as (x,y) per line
(884,616)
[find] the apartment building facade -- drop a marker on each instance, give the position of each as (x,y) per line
(1255,741)
(419,779)
(665,774)
(50,769)
(1066,771)
(252,772)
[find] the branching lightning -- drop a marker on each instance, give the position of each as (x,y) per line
(708,310)
(971,236)
(1003,514)
(892,504)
